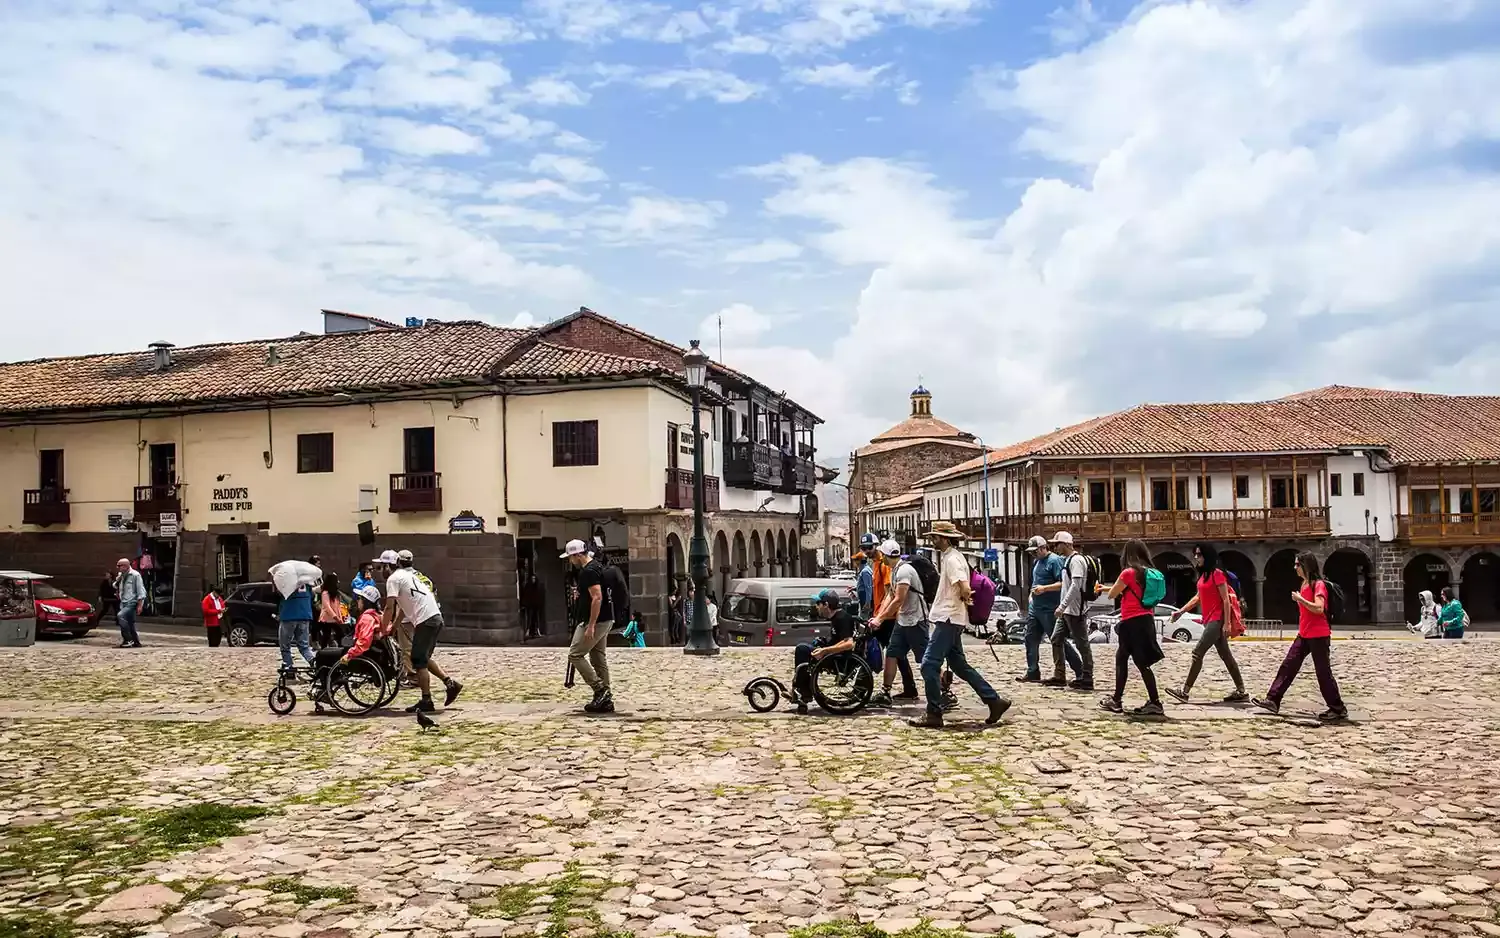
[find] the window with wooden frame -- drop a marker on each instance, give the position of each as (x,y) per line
(575,443)
(1359,483)
(1287,492)
(1241,486)
(1168,497)
(1335,484)
(1205,487)
(314,452)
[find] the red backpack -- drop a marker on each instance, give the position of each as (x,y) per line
(1235,616)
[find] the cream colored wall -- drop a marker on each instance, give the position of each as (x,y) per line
(630,448)
(103,462)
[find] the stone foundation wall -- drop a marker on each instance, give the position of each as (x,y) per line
(76,562)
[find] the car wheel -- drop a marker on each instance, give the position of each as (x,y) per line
(240,636)
(1182,635)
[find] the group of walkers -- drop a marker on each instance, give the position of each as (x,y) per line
(1445,620)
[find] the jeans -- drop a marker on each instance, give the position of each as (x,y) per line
(946,644)
(1039,624)
(1217,637)
(587,657)
(1072,634)
(125,619)
(295,632)
(1319,649)
(907,640)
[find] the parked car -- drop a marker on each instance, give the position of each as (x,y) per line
(848,575)
(1187,629)
(1005,615)
(250,614)
(57,613)
(783,606)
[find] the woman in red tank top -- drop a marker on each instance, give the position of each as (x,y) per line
(1135,636)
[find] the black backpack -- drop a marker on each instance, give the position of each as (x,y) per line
(1092,576)
(928,574)
(1333,606)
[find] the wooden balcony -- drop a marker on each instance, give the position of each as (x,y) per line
(680,490)
(416,491)
(1227,524)
(45,507)
(1450,528)
(151,501)
(798,476)
(752,466)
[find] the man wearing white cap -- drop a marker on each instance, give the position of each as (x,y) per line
(410,596)
(388,561)
(903,619)
(1071,627)
(594,617)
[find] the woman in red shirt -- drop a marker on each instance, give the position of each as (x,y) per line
(213,614)
(1135,635)
(1314,638)
(1212,603)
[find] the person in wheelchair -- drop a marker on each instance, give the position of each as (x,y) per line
(366,632)
(829,605)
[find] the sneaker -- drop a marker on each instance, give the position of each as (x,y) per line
(907,695)
(453,690)
(1054,682)
(927,721)
(1333,716)
(1237,696)
(1029,679)
(136,645)
(1081,684)
(1270,706)
(998,706)
(123,645)
(424,705)
(1181,696)
(949,703)
(1111,704)
(602,703)
(881,699)
(1151,708)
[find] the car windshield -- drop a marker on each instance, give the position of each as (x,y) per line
(47,591)
(740,607)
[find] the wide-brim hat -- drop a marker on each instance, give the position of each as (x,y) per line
(944,529)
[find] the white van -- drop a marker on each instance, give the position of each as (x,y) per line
(781,606)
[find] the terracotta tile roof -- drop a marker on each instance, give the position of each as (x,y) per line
(885,446)
(923,426)
(1338,392)
(443,354)
(890,504)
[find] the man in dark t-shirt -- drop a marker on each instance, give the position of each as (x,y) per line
(829,605)
(593,617)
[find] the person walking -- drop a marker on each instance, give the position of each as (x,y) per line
(945,644)
(410,597)
(1041,609)
(131,591)
(213,614)
(1071,627)
(1212,602)
(903,619)
(1427,620)
(294,617)
(1135,635)
(109,597)
(1315,639)
(594,616)
(330,613)
(1451,618)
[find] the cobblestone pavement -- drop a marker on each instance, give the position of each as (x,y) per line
(151,792)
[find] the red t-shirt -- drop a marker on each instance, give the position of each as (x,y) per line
(1310,624)
(1210,606)
(1130,599)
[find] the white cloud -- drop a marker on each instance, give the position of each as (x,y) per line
(723,87)
(537,189)
(416,139)
(554,92)
(839,75)
(567,168)
(737,322)
(650,218)
(772,249)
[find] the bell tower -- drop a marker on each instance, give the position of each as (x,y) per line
(921,402)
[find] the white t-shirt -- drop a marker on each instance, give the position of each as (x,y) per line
(414,595)
(949,605)
(910,612)
(1075,577)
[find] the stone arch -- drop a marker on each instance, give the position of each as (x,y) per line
(781,554)
(773,568)
(740,556)
(719,573)
(1109,567)
(793,554)
(1281,581)
(676,562)
(1480,587)
(1423,571)
(1351,569)
(1181,580)
(757,555)
(1244,569)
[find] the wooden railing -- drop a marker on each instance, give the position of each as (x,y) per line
(679,492)
(151,501)
(1112,527)
(752,466)
(45,507)
(1451,527)
(416,491)
(797,475)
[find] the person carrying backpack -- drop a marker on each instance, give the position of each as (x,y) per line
(1072,628)
(1316,601)
(1139,588)
(903,619)
(1212,602)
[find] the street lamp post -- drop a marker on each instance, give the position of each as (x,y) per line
(984,454)
(700,640)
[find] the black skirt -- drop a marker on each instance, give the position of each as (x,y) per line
(1137,638)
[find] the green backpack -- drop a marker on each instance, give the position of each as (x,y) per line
(1155,589)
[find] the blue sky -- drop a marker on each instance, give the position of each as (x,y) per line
(1046,208)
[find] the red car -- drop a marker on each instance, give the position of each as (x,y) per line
(57,613)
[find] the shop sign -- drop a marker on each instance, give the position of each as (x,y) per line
(230,499)
(120,521)
(167,526)
(466,522)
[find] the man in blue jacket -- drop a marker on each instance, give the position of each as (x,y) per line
(295,617)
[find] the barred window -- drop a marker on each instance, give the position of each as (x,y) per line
(575,443)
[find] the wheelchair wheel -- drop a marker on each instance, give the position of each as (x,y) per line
(843,684)
(357,687)
(763,694)
(282,700)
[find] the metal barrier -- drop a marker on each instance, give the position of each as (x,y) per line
(1269,629)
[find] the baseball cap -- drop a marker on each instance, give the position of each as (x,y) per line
(867,540)
(388,556)
(826,597)
(369,593)
(890,548)
(574,548)
(1062,537)
(1036,541)
(404,555)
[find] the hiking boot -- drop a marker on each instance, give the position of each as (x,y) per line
(949,703)
(425,705)
(453,690)
(1237,696)
(1270,706)
(1151,708)
(1054,682)
(1112,704)
(927,721)
(881,699)
(1181,696)
(1081,684)
(998,706)
(1029,679)
(1333,716)
(603,702)
(907,695)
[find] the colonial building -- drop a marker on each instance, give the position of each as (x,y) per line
(481,449)
(1395,492)
(891,463)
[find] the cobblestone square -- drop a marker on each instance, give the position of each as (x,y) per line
(151,792)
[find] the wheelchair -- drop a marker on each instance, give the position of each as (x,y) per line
(353,688)
(842,684)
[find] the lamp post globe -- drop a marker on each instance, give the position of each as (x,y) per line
(700,639)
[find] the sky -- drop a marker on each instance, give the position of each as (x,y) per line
(1042,210)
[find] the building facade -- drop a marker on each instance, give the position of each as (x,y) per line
(481,449)
(1394,492)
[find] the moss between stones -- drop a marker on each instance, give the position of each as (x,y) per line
(847,929)
(305,894)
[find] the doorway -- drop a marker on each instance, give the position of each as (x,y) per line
(162,458)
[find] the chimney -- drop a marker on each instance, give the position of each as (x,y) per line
(272,358)
(163,352)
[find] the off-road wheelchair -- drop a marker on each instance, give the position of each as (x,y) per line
(842,684)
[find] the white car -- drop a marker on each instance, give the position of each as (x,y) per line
(1189,628)
(849,575)
(1003,616)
